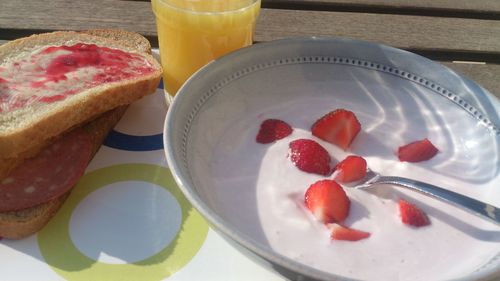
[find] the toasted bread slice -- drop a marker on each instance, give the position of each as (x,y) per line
(26,127)
(22,223)
(132,39)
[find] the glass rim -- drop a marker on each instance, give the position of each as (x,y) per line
(173,6)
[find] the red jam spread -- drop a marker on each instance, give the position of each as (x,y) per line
(54,73)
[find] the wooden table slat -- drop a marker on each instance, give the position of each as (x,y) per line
(402,31)
(482,6)
(415,32)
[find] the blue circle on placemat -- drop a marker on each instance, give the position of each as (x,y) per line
(128,142)
(122,141)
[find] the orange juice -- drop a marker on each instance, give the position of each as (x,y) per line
(192,33)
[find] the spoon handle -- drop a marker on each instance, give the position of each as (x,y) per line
(471,205)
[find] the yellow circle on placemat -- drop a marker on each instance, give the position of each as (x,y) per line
(65,259)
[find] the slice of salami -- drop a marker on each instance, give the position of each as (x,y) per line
(48,175)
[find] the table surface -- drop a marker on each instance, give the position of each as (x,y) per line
(463,35)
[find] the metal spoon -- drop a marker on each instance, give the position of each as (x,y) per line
(473,206)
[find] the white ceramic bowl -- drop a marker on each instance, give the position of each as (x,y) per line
(251,193)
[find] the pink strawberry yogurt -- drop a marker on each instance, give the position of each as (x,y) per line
(259,191)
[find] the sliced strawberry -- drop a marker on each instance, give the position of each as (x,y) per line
(309,156)
(412,215)
(272,130)
(340,232)
(352,168)
(338,127)
(417,151)
(327,201)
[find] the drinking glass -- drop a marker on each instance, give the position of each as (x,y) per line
(192,33)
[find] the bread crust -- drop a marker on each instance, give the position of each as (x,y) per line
(23,223)
(24,129)
(137,41)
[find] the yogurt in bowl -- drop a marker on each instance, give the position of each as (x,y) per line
(253,193)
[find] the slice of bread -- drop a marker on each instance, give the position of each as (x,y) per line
(22,223)
(132,39)
(25,128)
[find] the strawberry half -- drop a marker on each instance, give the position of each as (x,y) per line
(352,168)
(340,232)
(272,130)
(338,127)
(309,156)
(327,201)
(412,215)
(417,151)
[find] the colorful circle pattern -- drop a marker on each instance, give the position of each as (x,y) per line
(61,254)
(123,141)
(128,142)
